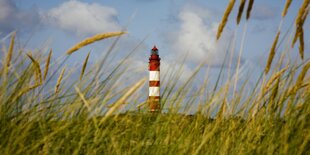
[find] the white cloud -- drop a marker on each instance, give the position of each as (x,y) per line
(196,37)
(6,9)
(82,18)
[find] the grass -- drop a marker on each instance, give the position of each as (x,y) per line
(92,115)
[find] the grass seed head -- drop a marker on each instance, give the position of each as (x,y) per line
(272,53)
(295,36)
(301,44)
(302,75)
(241,8)
(248,12)
(9,55)
(38,72)
(287,5)
(93,39)
(225,18)
(302,13)
(59,80)
(11,49)
(274,77)
(48,60)
(84,66)
(301,17)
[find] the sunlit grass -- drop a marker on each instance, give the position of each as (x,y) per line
(50,111)
(84,116)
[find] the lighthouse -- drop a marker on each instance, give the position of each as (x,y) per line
(154,81)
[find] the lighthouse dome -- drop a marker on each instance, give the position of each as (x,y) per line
(154,50)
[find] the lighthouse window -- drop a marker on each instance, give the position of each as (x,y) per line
(154,52)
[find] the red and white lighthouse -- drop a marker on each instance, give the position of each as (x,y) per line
(154,81)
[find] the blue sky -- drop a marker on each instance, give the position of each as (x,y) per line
(178,27)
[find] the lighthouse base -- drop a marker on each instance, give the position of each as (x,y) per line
(154,104)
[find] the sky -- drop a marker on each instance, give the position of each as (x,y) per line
(181,29)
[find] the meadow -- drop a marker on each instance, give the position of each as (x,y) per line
(42,111)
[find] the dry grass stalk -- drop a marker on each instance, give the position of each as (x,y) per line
(295,37)
(302,13)
(299,29)
(274,78)
(86,103)
(141,104)
(48,60)
(301,17)
(93,39)
(272,53)
(302,75)
(299,82)
(305,85)
(123,99)
(25,90)
(221,113)
(9,55)
(84,66)
(275,90)
(225,18)
(272,104)
(59,80)
(287,5)
(11,48)
(301,44)
(38,72)
(248,12)
(241,7)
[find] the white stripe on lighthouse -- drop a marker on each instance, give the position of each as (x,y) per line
(153,91)
(154,75)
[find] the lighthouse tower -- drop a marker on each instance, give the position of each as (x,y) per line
(154,82)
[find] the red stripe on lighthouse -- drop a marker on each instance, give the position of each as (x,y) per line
(154,83)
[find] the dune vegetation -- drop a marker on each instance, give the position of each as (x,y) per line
(42,111)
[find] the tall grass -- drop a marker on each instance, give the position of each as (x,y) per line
(95,115)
